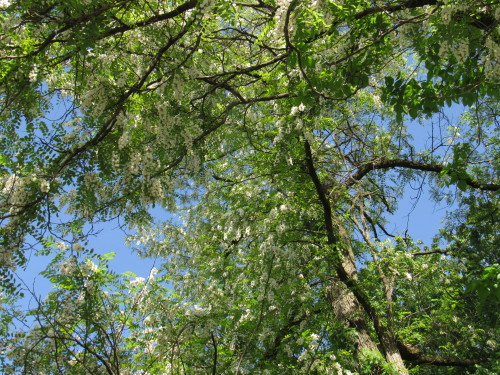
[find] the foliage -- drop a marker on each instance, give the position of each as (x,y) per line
(281,136)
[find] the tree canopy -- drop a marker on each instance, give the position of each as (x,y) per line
(280,135)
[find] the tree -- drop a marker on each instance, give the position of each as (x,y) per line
(281,132)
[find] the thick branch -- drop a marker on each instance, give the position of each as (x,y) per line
(481,20)
(384,334)
(409,164)
(188,5)
(214,343)
(415,355)
(327,210)
(410,4)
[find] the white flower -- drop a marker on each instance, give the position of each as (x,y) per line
(197,310)
(77,247)
(314,341)
(33,75)
(67,267)
(88,268)
(4,3)
(461,52)
(123,141)
(62,246)
(88,284)
(446,14)
(152,274)
(444,49)
(138,280)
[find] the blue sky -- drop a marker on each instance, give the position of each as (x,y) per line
(421,217)
(417,213)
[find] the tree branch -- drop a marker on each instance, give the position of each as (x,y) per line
(415,356)
(409,164)
(481,20)
(437,251)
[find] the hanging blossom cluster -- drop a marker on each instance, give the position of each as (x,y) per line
(461,48)
(492,61)
(70,266)
(16,191)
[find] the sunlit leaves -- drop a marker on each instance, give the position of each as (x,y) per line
(282,134)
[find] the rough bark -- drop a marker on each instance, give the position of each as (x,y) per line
(349,301)
(388,345)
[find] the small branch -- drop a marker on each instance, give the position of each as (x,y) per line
(437,251)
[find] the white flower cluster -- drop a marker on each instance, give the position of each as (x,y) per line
(95,99)
(124,140)
(152,274)
(15,191)
(446,14)
(134,164)
(121,79)
(492,64)
(461,52)
(77,247)
(44,186)
(156,190)
(68,267)
(299,109)
(33,75)
(444,49)
(178,87)
(88,268)
(138,281)
(6,257)
(62,246)
(314,343)
(205,6)
(197,310)
(4,3)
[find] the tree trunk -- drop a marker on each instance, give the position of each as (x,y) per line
(348,308)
